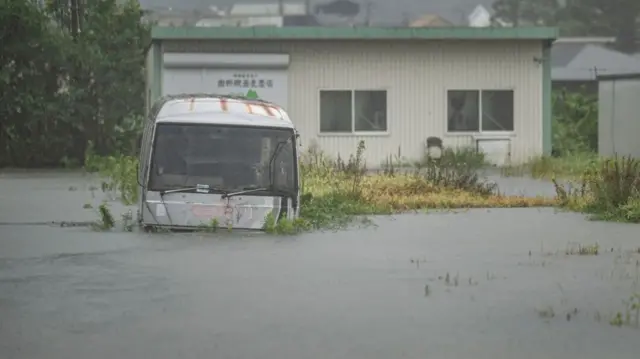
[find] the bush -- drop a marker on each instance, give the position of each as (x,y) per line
(575,123)
(609,190)
(64,83)
(338,191)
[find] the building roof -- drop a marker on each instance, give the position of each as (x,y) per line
(430,20)
(352,33)
(584,62)
(268,9)
(383,11)
(629,76)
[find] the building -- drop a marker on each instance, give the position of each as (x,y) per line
(577,62)
(618,114)
(391,87)
(430,20)
(481,17)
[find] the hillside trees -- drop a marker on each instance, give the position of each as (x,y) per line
(71,73)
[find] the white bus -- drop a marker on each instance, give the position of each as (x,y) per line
(217,160)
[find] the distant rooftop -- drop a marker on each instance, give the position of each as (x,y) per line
(352,33)
(585,40)
(268,9)
(383,11)
(584,62)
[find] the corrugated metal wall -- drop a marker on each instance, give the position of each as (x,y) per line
(416,76)
(619,117)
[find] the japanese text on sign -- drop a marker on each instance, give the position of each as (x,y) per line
(245,81)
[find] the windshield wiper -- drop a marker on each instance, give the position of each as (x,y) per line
(271,189)
(201,188)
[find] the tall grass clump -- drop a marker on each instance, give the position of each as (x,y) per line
(336,190)
(570,166)
(609,190)
(457,168)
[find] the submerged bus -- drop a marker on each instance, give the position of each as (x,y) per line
(217,160)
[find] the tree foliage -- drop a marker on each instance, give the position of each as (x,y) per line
(526,12)
(575,123)
(71,74)
(616,18)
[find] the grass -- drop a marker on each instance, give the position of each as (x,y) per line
(339,192)
(608,190)
(549,167)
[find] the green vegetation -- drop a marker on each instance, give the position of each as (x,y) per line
(606,188)
(609,190)
(338,193)
(69,76)
(570,167)
(575,139)
(69,99)
(631,315)
(575,18)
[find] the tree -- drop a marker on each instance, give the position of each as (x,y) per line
(526,12)
(618,18)
(110,60)
(31,65)
(70,74)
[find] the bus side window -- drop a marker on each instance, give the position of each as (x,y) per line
(145,149)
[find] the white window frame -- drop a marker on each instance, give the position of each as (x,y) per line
(480,132)
(353,113)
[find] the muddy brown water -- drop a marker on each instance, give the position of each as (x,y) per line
(377,292)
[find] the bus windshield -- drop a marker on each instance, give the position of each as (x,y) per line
(231,158)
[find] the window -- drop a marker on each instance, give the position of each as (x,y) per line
(480,111)
(231,158)
(346,111)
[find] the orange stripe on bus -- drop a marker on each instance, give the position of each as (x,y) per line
(268,109)
(249,109)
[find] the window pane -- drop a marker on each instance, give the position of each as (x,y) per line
(497,110)
(463,112)
(335,111)
(232,158)
(371,111)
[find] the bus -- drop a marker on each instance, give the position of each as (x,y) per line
(217,160)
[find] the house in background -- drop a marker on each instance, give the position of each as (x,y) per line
(619,114)
(480,17)
(577,62)
(430,20)
(391,87)
(474,13)
(238,15)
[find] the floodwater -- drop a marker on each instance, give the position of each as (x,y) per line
(476,284)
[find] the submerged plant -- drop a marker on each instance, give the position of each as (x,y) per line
(105,220)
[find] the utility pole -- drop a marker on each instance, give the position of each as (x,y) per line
(406,19)
(367,15)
